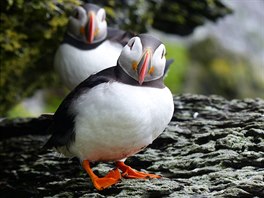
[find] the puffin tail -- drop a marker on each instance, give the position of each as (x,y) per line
(49,144)
(49,131)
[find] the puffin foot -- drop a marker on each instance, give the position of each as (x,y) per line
(102,183)
(130,173)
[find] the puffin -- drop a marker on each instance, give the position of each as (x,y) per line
(89,46)
(116,112)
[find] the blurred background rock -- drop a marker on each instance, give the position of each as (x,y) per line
(217,47)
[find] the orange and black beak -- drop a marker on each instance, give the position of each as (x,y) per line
(143,66)
(90,28)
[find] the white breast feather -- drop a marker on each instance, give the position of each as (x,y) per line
(75,65)
(115,120)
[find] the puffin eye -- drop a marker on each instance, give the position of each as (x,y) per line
(103,17)
(163,53)
(76,14)
(131,43)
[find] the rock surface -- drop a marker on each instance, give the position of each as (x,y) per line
(212,148)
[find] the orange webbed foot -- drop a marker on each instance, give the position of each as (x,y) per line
(130,173)
(110,179)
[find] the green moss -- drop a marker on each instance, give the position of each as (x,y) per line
(30,32)
(19,111)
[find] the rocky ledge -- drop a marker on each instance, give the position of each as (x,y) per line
(212,148)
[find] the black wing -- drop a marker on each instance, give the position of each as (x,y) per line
(119,36)
(62,127)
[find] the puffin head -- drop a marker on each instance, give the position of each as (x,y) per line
(87,24)
(143,58)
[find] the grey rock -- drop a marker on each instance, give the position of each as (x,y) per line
(212,148)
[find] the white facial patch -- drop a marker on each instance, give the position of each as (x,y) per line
(131,55)
(101,15)
(101,31)
(76,21)
(158,62)
(81,15)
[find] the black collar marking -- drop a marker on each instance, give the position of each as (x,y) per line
(79,44)
(113,34)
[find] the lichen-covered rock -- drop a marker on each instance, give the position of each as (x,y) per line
(212,148)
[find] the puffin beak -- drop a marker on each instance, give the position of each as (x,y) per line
(143,65)
(90,28)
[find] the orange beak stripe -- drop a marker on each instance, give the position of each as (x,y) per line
(144,68)
(91,28)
